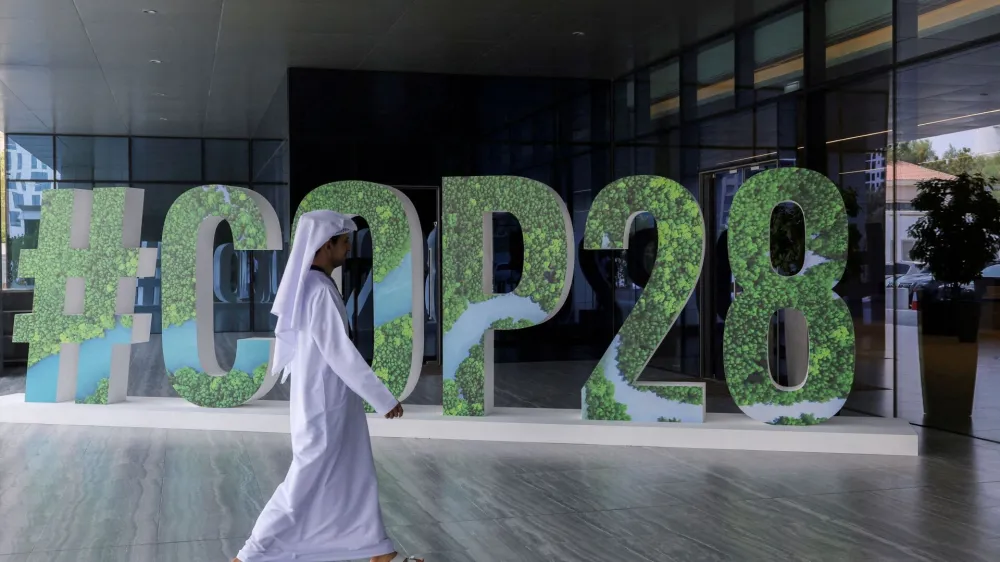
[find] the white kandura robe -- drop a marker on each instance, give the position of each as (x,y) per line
(327,508)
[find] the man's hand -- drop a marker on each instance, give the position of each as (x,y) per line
(396,412)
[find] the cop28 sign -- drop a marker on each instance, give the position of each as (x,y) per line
(88,259)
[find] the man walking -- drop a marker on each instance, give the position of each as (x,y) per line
(327,508)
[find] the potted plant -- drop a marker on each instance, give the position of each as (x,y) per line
(957,237)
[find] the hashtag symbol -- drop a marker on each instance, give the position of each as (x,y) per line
(85,270)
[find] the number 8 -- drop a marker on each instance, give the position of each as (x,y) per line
(830,328)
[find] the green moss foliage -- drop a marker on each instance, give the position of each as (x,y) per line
(679,253)
(100,395)
(452,402)
(14,247)
(682,394)
(385,213)
(804,419)
(831,331)
(180,239)
(392,364)
(54,261)
(540,212)
(233,389)
(464,396)
(379,206)
(178,276)
(599,398)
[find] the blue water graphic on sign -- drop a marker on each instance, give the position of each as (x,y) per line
(644,406)
(95,364)
(468,330)
(180,349)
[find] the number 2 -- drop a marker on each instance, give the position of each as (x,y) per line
(613,391)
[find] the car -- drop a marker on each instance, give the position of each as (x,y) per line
(907,274)
(925,282)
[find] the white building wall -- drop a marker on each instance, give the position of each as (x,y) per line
(30,178)
(897,241)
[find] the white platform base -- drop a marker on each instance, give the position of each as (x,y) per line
(874,436)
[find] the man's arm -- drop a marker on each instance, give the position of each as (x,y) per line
(327,330)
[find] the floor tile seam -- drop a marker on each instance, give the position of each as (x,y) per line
(973,482)
(843,492)
(537,472)
(811,472)
(159,504)
(256,477)
(37,548)
(530,478)
(113,546)
(934,491)
(20,552)
(579,470)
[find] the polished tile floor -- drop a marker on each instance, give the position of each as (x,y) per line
(97,494)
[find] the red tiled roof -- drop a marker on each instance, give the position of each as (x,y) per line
(905,171)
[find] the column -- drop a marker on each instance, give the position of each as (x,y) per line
(814,76)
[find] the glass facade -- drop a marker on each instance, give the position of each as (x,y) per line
(877,95)
(889,95)
(164,169)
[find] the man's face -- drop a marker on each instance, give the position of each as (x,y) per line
(340,249)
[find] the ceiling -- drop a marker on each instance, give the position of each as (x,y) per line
(83,66)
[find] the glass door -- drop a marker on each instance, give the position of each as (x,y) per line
(717,287)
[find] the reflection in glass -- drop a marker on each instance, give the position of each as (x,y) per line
(30,157)
(30,173)
(716,68)
(92,158)
(227,161)
(926,26)
(719,287)
(937,137)
(858,35)
(664,92)
(166,160)
(432,294)
(270,161)
(267,266)
(777,52)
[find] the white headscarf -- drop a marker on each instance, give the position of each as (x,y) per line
(314,229)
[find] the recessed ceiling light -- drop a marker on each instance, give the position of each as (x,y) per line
(150,12)
(155,61)
(163,119)
(159,94)
(579,33)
